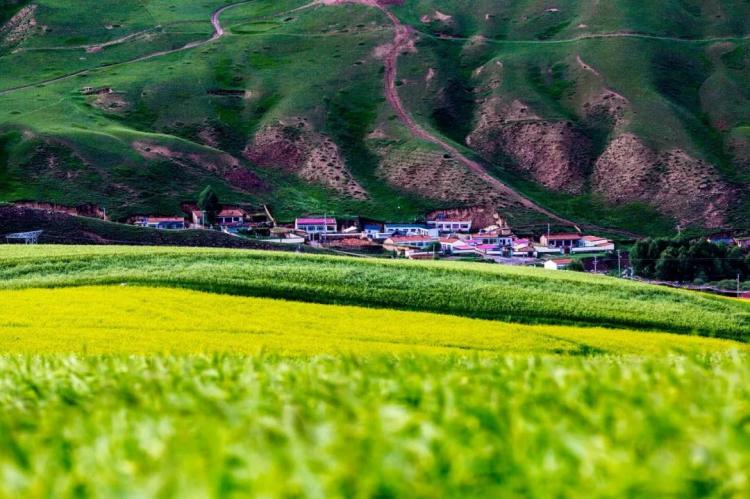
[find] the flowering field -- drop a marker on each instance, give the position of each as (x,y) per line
(471,290)
(139,320)
(153,372)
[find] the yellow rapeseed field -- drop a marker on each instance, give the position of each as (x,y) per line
(142,320)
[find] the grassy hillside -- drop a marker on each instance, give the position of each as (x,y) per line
(634,114)
(415,426)
(472,290)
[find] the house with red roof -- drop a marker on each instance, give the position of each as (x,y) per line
(230,218)
(455,246)
(594,244)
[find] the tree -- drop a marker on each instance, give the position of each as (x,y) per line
(576,266)
(208,202)
(668,266)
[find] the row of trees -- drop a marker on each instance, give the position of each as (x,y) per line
(687,261)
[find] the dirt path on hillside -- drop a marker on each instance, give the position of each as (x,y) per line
(401,40)
(403,37)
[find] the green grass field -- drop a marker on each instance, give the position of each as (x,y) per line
(183,372)
(412,426)
(467,289)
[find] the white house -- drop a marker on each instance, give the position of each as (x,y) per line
(496,238)
(565,241)
(409,229)
(319,225)
(558,264)
(544,250)
(167,223)
(401,243)
(594,244)
(449,225)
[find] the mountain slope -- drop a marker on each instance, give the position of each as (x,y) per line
(627,115)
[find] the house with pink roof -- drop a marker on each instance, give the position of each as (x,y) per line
(316,225)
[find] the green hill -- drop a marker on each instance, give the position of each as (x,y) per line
(619,114)
(494,292)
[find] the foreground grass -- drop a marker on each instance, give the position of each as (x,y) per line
(132,320)
(419,426)
(474,290)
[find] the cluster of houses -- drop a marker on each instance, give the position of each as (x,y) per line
(443,236)
(440,236)
(230,219)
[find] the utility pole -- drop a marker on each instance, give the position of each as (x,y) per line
(595,263)
(619,267)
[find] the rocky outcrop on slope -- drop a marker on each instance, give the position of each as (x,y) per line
(220,163)
(674,182)
(19,27)
(552,153)
(295,147)
(434,176)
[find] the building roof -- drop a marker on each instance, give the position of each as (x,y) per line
(494,233)
(562,261)
(231,213)
(562,237)
(594,238)
(405,225)
(450,240)
(450,220)
(316,221)
(411,239)
(162,219)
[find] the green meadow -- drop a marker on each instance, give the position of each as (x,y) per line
(184,372)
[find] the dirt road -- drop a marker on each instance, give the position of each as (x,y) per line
(401,40)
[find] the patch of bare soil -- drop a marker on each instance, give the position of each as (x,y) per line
(295,147)
(219,163)
(675,183)
(433,176)
(19,27)
(209,136)
(553,153)
(436,16)
(607,105)
(113,102)
(739,149)
(481,216)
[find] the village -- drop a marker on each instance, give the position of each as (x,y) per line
(441,235)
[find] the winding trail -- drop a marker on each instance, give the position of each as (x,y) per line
(401,41)
(403,37)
